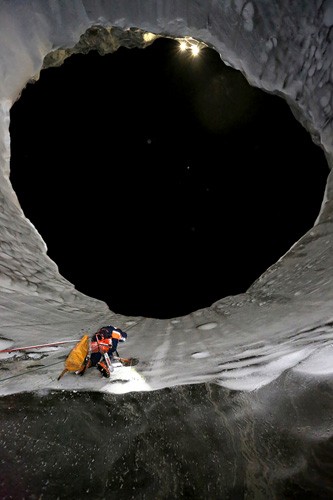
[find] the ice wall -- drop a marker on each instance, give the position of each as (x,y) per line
(277,338)
(282,47)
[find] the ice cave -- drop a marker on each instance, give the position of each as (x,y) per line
(233,400)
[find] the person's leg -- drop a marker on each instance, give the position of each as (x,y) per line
(95,358)
(102,366)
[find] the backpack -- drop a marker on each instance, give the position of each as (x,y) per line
(76,357)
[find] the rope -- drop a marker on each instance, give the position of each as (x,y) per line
(30,371)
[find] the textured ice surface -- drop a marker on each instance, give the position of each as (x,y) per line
(278,50)
(293,296)
(274,342)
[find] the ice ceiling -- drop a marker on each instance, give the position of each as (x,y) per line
(279,47)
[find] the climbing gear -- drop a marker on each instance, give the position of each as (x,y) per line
(76,358)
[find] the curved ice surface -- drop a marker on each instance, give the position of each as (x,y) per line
(272,343)
(293,297)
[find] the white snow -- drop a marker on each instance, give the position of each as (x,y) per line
(201,355)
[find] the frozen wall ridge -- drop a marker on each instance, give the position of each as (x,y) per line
(279,50)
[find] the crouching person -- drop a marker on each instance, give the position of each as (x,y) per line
(105,340)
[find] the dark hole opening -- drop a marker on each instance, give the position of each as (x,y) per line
(161,182)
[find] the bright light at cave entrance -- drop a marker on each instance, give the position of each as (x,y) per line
(183,46)
(186,45)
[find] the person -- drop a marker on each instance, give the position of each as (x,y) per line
(105,340)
